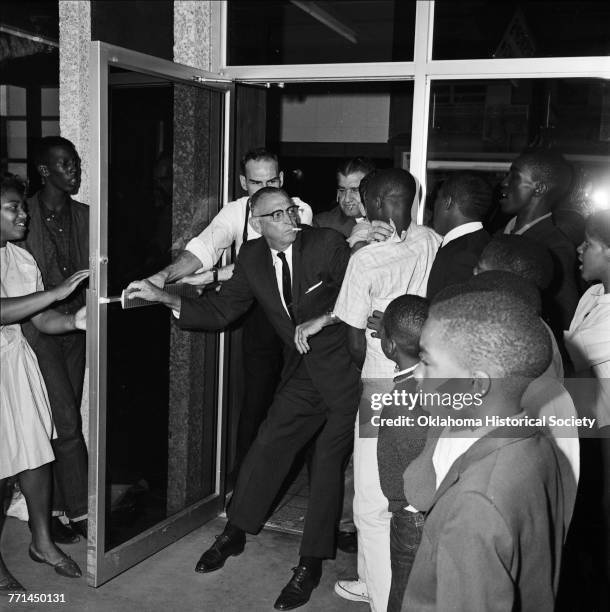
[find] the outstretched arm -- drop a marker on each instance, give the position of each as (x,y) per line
(15,309)
(186,263)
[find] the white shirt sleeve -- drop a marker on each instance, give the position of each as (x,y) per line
(219,235)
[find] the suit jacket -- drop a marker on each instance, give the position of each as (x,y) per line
(494,532)
(559,301)
(454,263)
(319,257)
(335,219)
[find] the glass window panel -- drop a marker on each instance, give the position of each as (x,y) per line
(20,169)
(161,418)
(487,28)
(16,139)
(49,102)
(49,128)
(315,126)
(280,32)
(484,134)
(15,101)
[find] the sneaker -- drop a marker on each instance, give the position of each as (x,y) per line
(354,590)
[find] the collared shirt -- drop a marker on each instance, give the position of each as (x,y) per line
(277,264)
(450,446)
(510,226)
(401,375)
(378,273)
(59,248)
(461,230)
(588,342)
(230,226)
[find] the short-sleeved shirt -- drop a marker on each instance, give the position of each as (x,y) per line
(588,342)
(378,273)
(231,227)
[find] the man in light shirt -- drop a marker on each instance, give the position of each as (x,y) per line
(197,265)
(376,274)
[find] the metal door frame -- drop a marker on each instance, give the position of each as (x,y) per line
(102,565)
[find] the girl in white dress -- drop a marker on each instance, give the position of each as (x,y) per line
(25,416)
(588,342)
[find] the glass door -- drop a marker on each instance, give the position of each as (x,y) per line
(159,174)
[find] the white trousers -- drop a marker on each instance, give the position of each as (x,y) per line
(372,521)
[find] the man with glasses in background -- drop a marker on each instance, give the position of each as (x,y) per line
(295,274)
(349,209)
(197,265)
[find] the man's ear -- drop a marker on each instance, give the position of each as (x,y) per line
(43,170)
(281,176)
(448,202)
(481,383)
(390,347)
(243,182)
(255,224)
(540,189)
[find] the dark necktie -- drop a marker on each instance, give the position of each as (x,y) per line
(286,282)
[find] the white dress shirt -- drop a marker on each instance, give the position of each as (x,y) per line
(277,264)
(227,228)
(461,230)
(378,273)
(451,446)
(510,226)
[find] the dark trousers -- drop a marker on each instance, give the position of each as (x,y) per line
(406,529)
(263,360)
(296,415)
(62,363)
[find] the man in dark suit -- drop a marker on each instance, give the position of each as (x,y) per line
(537,180)
(295,274)
(459,209)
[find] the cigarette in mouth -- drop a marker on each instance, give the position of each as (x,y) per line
(296,229)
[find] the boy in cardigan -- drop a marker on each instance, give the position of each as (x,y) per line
(402,323)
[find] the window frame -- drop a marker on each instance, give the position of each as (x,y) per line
(422,70)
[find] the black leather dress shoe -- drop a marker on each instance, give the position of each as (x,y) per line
(215,556)
(347,541)
(80,527)
(298,591)
(60,533)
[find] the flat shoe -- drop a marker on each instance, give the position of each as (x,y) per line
(66,567)
(9,584)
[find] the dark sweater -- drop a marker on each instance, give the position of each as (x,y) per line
(335,219)
(398,446)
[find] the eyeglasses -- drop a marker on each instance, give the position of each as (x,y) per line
(353,192)
(274,182)
(279,214)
